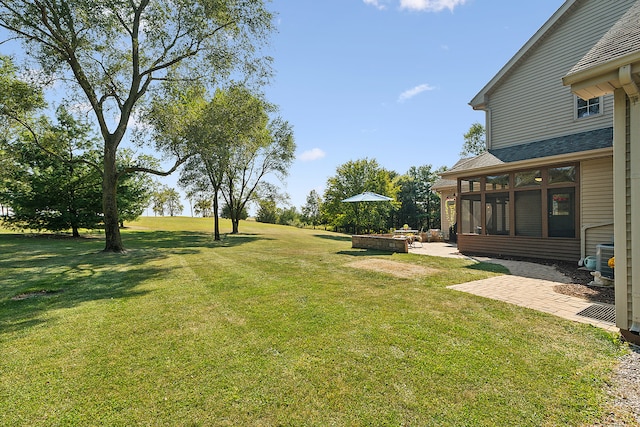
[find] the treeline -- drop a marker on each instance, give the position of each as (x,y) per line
(414,202)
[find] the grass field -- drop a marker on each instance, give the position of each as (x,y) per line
(276,326)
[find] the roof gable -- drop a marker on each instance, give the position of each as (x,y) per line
(479,100)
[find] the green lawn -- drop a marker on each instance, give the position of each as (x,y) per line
(276,326)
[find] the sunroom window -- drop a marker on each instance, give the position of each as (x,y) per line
(471,215)
(528,213)
(497,213)
(563,174)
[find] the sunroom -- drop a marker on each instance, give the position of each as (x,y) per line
(510,205)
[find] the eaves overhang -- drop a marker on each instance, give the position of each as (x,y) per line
(480,100)
(612,63)
(602,79)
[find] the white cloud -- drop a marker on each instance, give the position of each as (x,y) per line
(430,5)
(408,94)
(311,155)
(375,3)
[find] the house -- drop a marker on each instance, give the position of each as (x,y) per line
(544,188)
(612,66)
(446,189)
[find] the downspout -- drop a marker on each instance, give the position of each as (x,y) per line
(488,128)
(633,92)
(583,238)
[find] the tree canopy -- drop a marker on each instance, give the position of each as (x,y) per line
(53,185)
(166,200)
(355,177)
(474,141)
(237,141)
(311,213)
(419,205)
(114,54)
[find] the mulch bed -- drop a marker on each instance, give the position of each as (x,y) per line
(580,285)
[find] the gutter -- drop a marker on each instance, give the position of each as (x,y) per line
(529,163)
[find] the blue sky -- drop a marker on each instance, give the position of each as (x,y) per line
(388,80)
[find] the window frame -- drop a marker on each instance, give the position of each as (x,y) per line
(541,186)
(577,107)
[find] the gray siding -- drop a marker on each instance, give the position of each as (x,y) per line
(530,103)
(597,202)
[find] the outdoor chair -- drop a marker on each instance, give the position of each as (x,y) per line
(415,240)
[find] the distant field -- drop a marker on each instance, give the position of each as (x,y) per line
(276,326)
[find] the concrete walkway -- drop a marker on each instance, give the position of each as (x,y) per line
(529,285)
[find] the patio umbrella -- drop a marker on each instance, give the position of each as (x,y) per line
(367,196)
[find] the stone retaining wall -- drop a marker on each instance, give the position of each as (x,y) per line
(380,242)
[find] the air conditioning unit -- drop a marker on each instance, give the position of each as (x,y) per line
(603,253)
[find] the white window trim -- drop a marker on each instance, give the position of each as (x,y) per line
(575,108)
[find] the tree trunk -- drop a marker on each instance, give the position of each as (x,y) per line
(113,240)
(75,232)
(234,223)
(216,220)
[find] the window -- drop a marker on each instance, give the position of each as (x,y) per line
(528,213)
(497,213)
(497,182)
(564,174)
(470,185)
(531,178)
(588,108)
(471,215)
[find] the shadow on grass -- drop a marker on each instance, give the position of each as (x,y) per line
(41,274)
(329,237)
(365,252)
(487,266)
(60,274)
(181,240)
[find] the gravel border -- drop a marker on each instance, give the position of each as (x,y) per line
(624,392)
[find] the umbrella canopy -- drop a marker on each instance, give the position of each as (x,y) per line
(368,196)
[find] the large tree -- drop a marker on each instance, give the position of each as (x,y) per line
(237,142)
(55,189)
(114,52)
(211,130)
(54,184)
(474,141)
(420,206)
(311,210)
(269,152)
(19,101)
(355,177)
